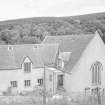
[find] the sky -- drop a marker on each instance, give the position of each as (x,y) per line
(15,9)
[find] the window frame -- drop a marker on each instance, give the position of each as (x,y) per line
(27,67)
(96,70)
(27,83)
(40,82)
(14,84)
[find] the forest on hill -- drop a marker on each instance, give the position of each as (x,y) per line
(34,30)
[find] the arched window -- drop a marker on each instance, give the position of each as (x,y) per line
(96,69)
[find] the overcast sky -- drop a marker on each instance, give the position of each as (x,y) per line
(13,9)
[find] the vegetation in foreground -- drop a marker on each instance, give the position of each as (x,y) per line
(33,100)
(36,98)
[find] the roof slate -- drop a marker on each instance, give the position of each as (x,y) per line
(40,55)
(71,43)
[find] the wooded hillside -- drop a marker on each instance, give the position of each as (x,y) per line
(34,30)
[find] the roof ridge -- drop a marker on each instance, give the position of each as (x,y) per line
(71,35)
(30,44)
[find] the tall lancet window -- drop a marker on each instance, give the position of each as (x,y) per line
(96,69)
(27,65)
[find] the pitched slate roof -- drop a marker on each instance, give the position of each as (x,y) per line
(39,54)
(71,43)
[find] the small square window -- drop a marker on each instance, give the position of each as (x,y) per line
(13,84)
(27,83)
(40,82)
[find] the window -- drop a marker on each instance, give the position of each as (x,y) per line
(13,84)
(40,82)
(50,77)
(27,83)
(60,64)
(27,67)
(96,73)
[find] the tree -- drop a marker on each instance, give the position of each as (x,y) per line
(10,36)
(29,40)
(39,31)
